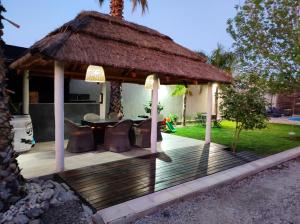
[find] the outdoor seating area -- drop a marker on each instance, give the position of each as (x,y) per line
(110,134)
(107,119)
(43,155)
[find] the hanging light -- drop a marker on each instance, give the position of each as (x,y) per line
(95,74)
(149,82)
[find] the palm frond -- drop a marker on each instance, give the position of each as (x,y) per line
(222,59)
(142,3)
(101,2)
(179,90)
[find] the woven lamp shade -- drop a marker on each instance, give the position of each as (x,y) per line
(95,74)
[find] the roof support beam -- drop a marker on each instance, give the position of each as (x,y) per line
(59,114)
(154,115)
(103,107)
(26,92)
(208,113)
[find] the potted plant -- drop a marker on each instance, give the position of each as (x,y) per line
(148,106)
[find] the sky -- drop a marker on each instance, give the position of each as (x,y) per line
(197,24)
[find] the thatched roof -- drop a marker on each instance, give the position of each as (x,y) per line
(127,51)
(11,53)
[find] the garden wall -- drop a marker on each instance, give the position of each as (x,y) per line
(134,98)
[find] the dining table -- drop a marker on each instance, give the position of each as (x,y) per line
(99,125)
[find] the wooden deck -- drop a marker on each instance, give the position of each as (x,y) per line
(112,183)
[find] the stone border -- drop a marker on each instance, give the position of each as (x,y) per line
(132,210)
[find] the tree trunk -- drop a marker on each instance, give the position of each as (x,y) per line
(184,110)
(12,184)
(271,99)
(116,8)
(236,138)
(294,102)
(115,104)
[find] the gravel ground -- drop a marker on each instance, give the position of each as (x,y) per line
(68,213)
(272,196)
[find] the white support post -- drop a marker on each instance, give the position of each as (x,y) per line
(26,92)
(59,114)
(208,114)
(103,104)
(154,115)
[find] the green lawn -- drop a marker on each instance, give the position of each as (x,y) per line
(273,139)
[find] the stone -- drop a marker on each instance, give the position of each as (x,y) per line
(45,205)
(54,201)
(20,219)
(35,221)
(66,187)
(166,214)
(49,184)
(47,194)
(42,196)
(34,212)
(87,209)
(1,207)
(9,222)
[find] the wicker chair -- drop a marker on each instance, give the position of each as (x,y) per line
(141,134)
(91,117)
(113,116)
(81,138)
(116,138)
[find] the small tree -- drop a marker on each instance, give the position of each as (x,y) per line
(243,102)
(182,90)
(266,38)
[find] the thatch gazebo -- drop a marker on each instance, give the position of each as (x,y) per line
(128,53)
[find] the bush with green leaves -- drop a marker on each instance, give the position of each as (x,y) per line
(244,103)
(201,118)
(266,41)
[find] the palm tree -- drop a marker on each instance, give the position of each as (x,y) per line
(12,184)
(116,10)
(182,90)
(224,60)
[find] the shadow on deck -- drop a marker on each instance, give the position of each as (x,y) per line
(108,184)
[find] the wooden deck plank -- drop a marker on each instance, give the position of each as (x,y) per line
(145,168)
(108,184)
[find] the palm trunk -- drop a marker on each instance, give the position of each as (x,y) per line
(115,104)
(117,8)
(12,184)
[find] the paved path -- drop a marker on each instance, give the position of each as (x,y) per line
(272,196)
(283,120)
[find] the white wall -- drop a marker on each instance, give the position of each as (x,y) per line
(82,87)
(135,96)
(197,101)
(271,98)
